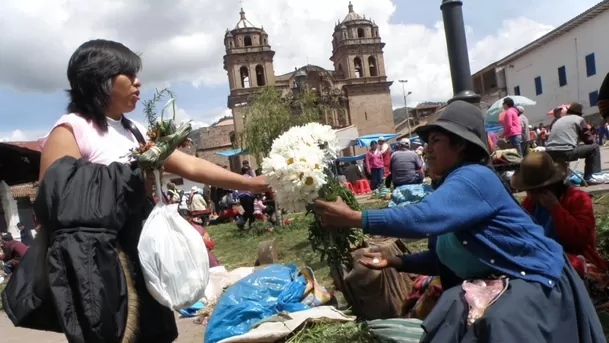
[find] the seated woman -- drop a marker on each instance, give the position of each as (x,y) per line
(565,212)
(477,230)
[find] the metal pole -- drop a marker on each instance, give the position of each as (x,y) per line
(403,82)
(456,44)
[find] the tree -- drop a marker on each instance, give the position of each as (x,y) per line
(270,113)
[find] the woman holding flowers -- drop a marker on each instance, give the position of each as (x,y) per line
(479,233)
(104,86)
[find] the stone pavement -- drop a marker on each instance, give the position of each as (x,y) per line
(189,333)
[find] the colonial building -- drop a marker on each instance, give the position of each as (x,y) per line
(568,64)
(358,80)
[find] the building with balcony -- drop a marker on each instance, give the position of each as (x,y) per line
(490,84)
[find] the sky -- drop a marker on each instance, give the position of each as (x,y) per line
(181,44)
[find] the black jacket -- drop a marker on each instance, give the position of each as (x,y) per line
(72,279)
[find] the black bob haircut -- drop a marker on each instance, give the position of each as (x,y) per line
(90,72)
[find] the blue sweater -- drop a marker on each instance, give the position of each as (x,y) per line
(474,205)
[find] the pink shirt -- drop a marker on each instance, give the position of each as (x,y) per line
(511,123)
(96,146)
(374,160)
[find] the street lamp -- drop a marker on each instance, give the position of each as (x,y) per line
(403,82)
(458,58)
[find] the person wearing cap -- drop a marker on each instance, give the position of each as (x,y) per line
(565,212)
(558,113)
(476,229)
(567,133)
(405,165)
(512,130)
(196,200)
(524,125)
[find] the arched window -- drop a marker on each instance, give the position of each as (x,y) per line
(247,41)
(260,75)
(361,33)
(372,65)
(264,41)
(357,64)
(340,68)
(245,77)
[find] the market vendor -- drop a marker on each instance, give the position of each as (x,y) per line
(565,212)
(478,231)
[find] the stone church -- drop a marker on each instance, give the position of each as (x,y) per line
(358,79)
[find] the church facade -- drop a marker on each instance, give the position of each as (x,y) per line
(358,79)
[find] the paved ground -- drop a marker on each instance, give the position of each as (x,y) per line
(189,333)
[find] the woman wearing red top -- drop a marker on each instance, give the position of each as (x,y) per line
(565,212)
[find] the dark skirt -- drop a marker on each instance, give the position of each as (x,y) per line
(526,312)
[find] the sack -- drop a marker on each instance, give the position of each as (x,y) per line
(173,257)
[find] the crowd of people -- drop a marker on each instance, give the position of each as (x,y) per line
(561,139)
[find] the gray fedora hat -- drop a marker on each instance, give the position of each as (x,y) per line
(463,120)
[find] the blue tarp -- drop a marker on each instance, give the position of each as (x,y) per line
(367,139)
(493,128)
(229,153)
(264,293)
(351,158)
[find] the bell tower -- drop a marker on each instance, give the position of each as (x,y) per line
(359,64)
(248,60)
(357,49)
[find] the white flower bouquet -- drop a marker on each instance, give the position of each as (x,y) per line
(298,170)
(296,166)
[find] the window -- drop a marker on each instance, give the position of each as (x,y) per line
(177,181)
(517,90)
(245,79)
(593,96)
(260,80)
(590,65)
(357,63)
(372,66)
(562,76)
(247,41)
(538,88)
(360,33)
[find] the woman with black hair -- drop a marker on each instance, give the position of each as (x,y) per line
(103,87)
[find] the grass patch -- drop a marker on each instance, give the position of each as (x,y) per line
(236,248)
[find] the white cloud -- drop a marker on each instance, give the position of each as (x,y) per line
(183,40)
(20,136)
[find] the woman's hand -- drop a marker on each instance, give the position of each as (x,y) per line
(258,185)
(337,214)
(374,260)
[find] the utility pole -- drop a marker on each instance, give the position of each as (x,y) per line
(404,82)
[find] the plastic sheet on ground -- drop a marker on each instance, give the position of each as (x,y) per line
(266,292)
(409,194)
(282,325)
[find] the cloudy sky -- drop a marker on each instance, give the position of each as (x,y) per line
(181,42)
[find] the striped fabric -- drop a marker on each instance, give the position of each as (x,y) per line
(396,330)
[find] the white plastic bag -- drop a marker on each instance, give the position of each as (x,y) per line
(173,256)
